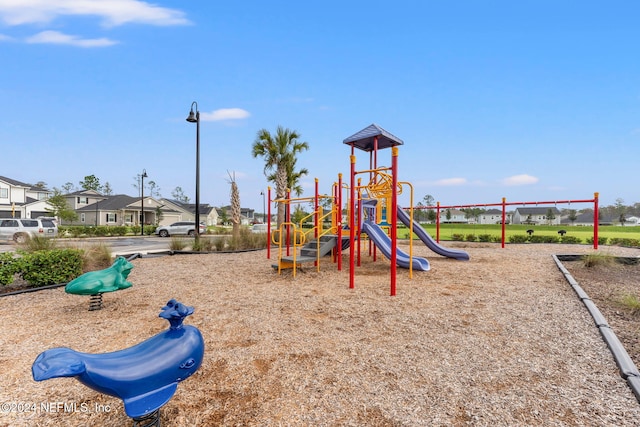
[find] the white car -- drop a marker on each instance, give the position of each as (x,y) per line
(185,228)
(21,229)
(259,228)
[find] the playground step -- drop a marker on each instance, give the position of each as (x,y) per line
(327,243)
(299,259)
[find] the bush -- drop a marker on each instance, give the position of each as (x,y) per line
(177,243)
(627,242)
(518,238)
(9,266)
(38,243)
(593,259)
(119,230)
(570,240)
(44,268)
(484,237)
(544,239)
(220,243)
(601,240)
(96,257)
(470,237)
(457,237)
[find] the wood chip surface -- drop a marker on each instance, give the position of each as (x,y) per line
(500,340)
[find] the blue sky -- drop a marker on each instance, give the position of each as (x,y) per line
(528,100)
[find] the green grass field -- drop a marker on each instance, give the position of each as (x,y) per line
(447,231)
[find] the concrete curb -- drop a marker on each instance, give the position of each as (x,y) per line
(628,369)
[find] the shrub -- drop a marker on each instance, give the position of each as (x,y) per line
(601,240)
(96,257)
(177,243)
(484,237)
(148,229)
(9,266)
(51,267)
(544,239)
(593,259)
(518,238)
(631,302)
(570,240)
(38,243)
(457,237)
(220,243)
(496,239)
(119,230)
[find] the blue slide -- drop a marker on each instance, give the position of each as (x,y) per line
(428,240)
(383,242)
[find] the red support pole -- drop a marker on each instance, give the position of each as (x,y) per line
(352,224)
(438,222)
(269,223)
(394,217)
(288,219)
(504,217)
(338,198)
(595,220)
(316,219)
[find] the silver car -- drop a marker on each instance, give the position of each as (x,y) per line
(186,228)
(21,229)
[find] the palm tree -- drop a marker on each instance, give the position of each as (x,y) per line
(279,153)
(293,177)
(235,204)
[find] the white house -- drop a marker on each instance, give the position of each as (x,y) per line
(453,215)
(22,200)
(493,216)
(537,215)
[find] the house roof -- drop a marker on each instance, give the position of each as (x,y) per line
(537,211)
(205,208)
(111,203)
(14,182)
(365,139)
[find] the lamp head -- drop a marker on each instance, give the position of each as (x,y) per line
(194,116)
(144,173)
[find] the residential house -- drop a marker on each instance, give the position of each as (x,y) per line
(22,200)
(174,210)
(536,215)
(96,209)
(494,216)
(453,215)
(632,220)
(586,219)
(247,216)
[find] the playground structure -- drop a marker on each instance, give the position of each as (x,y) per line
(372,211)
(438,208)
(144,376)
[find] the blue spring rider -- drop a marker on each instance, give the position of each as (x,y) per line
(144,376)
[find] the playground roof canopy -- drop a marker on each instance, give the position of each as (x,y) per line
(364,140)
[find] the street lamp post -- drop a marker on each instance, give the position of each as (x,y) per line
(195,118)
(142,177)
(264,214)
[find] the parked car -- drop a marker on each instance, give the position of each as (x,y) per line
(259,228)
(186,228)
(21,229)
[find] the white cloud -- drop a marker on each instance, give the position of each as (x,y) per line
(55,37)
(522,179)
(112,12)
(5,38)
(448,182)
(225,114)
